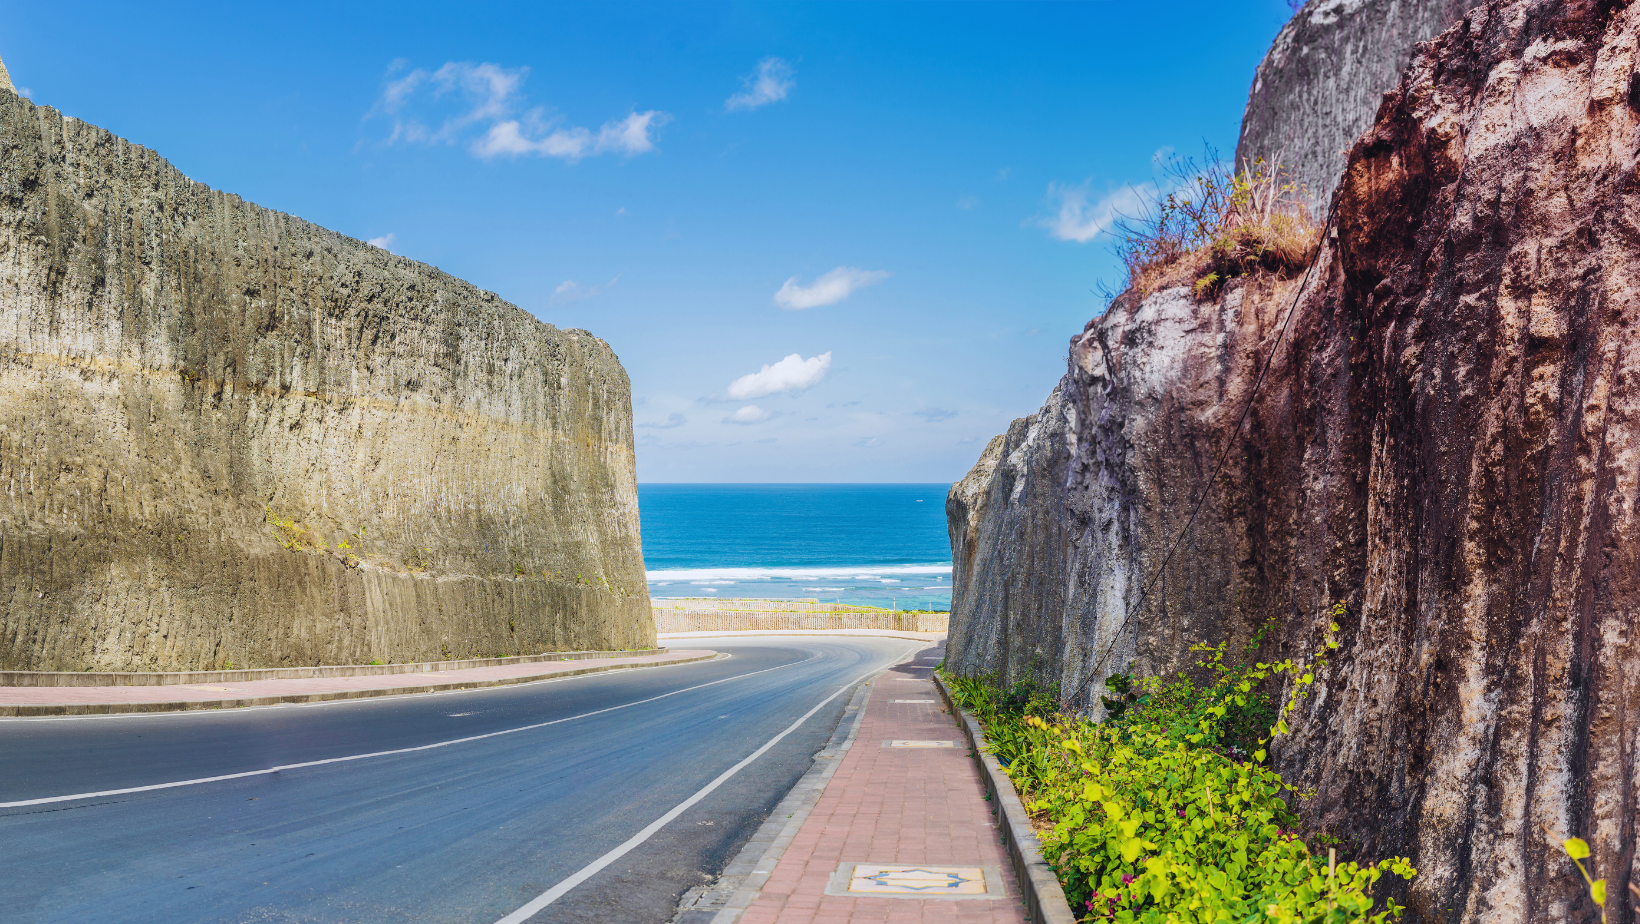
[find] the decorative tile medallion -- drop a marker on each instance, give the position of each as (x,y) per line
(921,881)
(904,743)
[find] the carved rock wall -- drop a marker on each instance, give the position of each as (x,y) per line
(1317,88)
(1448,442)
(227,434)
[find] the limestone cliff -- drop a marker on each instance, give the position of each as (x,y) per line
(227,434)
(1319,84)
(1448,442)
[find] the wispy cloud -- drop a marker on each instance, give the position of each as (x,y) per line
(1077,219)
(487,100)
(828,289)
(967,203)
(571,291)
(532,135)
(794,373)
(750,414)
(385,242)
(934,414)
(673,419)
(768,84)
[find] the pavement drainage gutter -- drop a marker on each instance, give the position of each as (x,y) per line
(1044,898)
(726,899)
(33,710)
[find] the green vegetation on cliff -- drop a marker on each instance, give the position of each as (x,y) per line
(1166,811)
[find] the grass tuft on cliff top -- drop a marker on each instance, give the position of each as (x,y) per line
(1219,223)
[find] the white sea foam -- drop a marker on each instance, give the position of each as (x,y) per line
(826,589)
(851,572)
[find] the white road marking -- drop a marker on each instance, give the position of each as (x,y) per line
(425,747)
(591,869)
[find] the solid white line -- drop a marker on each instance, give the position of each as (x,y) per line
(424,747)
(591,869)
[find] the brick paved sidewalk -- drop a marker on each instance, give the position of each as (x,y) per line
(896,825)
(92,700)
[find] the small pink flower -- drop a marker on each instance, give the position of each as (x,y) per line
(1127,879)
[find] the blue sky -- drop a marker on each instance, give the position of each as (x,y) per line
(890,206)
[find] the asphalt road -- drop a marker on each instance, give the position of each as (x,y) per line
(466,832)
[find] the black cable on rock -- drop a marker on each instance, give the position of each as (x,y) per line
(1281,334)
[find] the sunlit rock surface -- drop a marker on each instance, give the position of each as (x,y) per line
(227,434)
(1448,442)
(1321,81)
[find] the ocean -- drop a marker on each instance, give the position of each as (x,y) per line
(864,544)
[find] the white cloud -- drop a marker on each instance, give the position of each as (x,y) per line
(768,84)
(25,91)
(794,373)
(385,242)
(934,414)
(489,98)
(1081,221)
(967,203)
(571,291)
(511,138)
(750,414)
(832,287)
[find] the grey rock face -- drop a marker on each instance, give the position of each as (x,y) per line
(228,434)
(1322,79)
(5,78)
(1055,531)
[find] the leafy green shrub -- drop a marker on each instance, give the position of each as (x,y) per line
(1166,811)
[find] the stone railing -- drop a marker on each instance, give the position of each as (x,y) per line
(732,615)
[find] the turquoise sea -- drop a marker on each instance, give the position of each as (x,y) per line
(871,544)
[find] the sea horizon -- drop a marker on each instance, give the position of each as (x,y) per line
(854,543)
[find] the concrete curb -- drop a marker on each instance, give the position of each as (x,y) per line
(724,901)
(28,710)
(1044,898)
(177,678)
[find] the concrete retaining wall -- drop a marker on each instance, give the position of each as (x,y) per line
(770,615)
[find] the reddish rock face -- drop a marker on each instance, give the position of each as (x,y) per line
(1474,367)
(1448,442)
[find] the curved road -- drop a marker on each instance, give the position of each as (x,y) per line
(468,830)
